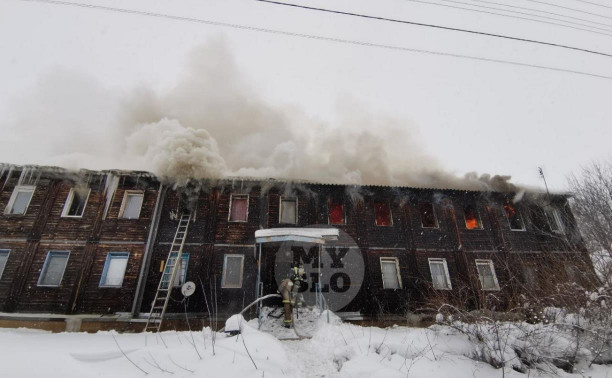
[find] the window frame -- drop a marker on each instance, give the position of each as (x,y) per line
(109,257)
(127,193)
(329,202)
(518,213)
(492,266)
(280,209)
(44,268)
(557,218)
(11,202)
(229,214)
(446,273)
(433,211)
(478,217)
(224,285)
(184,256)
(394,260)
(8,254)
(68,204)
(390,214)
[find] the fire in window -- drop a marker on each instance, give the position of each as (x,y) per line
(514,218)
(336,212)
(428,217)
(239,207)
(382,213)
(472,219)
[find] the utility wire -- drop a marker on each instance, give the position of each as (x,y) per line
(596,4)
(508,15)
(568,8)
(318,37)
(433,26)
(541,11)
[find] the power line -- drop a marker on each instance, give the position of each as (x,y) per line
(568,8)
(509,16)
(434,26)
(318,37)
(596,4)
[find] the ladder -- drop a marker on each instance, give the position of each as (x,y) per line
(172,269)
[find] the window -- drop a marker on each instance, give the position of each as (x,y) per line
(428,216)
(132,202)
(114,269)
(336,212)
(486,274)
(232,271)
(439,274)
(53,269)
(180,276)
(530,276)
(288,211)
(239,208)
(514,218)
(20,200)
(390,273)
(4,254)
(472,218)
(75,203)
(382,213)
(572,274)
(554,219)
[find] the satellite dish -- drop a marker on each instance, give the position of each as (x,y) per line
(188,288)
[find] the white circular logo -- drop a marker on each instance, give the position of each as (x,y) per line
(188,288)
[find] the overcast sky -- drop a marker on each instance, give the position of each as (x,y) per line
(470,115)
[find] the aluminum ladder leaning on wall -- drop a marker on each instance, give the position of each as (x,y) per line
(171,269)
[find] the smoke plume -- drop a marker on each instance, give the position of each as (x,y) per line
(213,124)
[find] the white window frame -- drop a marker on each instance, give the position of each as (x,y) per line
(44,268)
(397,269)
(109,257)
(390,213)
(478,218)
(280,209)
(16,190)
(557,217)
(492,266)
(443,261)
(433,211)
(68,203)
(8,254)
(520,215)
(223,284)
(124,202)
(229,214)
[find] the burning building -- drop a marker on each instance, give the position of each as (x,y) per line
(119,244)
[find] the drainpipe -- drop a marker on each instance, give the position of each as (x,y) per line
(146,258)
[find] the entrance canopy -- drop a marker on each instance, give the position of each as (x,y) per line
(306,235)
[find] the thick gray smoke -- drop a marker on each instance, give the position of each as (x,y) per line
(212,124)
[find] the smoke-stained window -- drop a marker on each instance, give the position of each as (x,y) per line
(390,273)
(232,271)
(76,202)
(288,211)
(336,212)
(20,200)
(514,218)
(439,274)
(472,218)
(239,208)
(382,213)
(428,216)
(132,203)
(486,274)
(53,269)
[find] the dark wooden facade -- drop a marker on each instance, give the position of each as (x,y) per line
(147,240)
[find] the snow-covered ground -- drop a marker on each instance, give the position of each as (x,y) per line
(333,350)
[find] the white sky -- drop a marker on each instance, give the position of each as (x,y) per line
(472,116)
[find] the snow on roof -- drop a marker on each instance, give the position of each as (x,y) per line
(309,235)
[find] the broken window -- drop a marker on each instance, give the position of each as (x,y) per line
(232,271)
(514,218)
(53,269)
(75,203)
(114,269)
(530,276)
(428,217)
(181,274)
(486,274)
(20,200)
(336,212)
(288,211)
(472,218)
(554,219)
(390,273)
(382,213)
(239,208)
(439,274)
(132,202)
(4,254)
